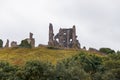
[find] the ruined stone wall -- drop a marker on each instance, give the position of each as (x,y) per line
(32,40)
(65,38)
(7,44)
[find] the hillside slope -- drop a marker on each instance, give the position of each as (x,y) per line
(21,55)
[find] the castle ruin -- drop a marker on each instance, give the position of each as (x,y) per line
(65,38)
(31,40)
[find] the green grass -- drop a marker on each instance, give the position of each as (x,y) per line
(21,55)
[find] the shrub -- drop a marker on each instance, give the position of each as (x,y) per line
(107,50)
(70,71)
(25,44)
(77,67)
(90,63)
(7,71)
(1,43)
(35,70)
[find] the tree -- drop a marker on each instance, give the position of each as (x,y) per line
(1,43)
(106,50)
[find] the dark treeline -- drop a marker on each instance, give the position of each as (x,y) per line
(82,66)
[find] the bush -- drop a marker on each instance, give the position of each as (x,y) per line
(107,50)
(25,44)
(7,71)
(112,67)
(70,71)
(35,70)
(90,63)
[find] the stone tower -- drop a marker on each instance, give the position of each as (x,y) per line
(74,42)
(51,35)
(7,44)
(31,40)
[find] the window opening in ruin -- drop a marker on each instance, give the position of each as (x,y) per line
(64,34)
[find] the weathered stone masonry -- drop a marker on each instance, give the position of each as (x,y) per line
(31,40)
(65,38)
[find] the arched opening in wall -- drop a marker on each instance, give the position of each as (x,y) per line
(70,40)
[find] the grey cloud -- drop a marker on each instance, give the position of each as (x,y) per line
(97,21)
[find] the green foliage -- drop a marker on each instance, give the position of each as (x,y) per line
(114,56)
(111,64)
(1,43)
(88,66)
(25,44)
(107,50)
(112,67)
(67,70)
(35,70)
(82,66)
(90,63)
(113,74)
(6,71)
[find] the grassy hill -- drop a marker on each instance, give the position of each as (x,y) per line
(21,55)
(78,64)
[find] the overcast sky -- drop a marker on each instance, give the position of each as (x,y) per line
(97,21)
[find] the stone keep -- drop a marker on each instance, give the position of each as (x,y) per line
(65,38)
